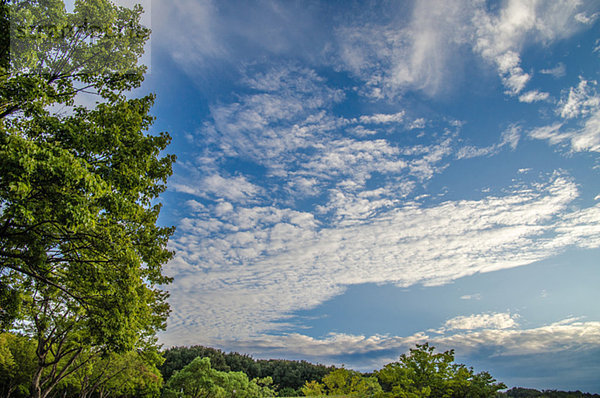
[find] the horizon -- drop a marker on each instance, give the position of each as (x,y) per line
(354,179)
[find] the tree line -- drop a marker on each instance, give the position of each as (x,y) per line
(198,371)
(419,373)
(520,392)
(286,374)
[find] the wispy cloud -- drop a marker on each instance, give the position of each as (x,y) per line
(582,105)
(498,333)
(381,118)
(262,263)
(501,37)
(510,137)
(476,296)
(287,126)
(559,70)
(400,54)
(581,101)
(235,188)
(421,49)
(422,54)
(533,96)
(481,321)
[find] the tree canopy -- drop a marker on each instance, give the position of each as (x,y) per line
(286,374)
(424,373)
(81,253)
(198,379)
(344,382)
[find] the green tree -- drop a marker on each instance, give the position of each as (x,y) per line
(483,385)
(176,358)
(81,255)
(351,383)
(17,365)
(313,389)
(132,373)
(424,373)
(195,380)
(285,373)
(199,379)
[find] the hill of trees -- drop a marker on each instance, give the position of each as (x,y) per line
(420,373)
(519,392)
(285,374)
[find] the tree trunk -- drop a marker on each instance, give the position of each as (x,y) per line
(36,388)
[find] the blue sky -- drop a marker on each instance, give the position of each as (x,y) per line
(357,177)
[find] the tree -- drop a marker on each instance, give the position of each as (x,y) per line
(313,389)
(176,358)
(199,379)
(17,365)
(351,383)
(424,373)
(195,380)
(81,254)
(285,373)
(128,374)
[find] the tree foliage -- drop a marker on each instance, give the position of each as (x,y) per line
(424,373)
(127,374)
(285,374)
(17,365)
(519,392)
(81,254)
(199,379)
(351,383)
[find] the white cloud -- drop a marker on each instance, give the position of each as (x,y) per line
(481,321)
(286,125)
(510,137)
(476,296)
(419,123)
(551,133)
(559,70)
(583,105)
(234,188)
(533,96)
(582,100)
(502,336)
(563,335)
(190,32)
(500,38)
(289,113)
(206,35)
(402,54)
(422,49)
(468,152)
(423,52)
(382,118)
(242,271)
(585,18)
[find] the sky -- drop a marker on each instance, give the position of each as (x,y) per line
(357,177)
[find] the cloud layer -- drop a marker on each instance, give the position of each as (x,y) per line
(496,335)
(394,49)
(326,165)
(242,271)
